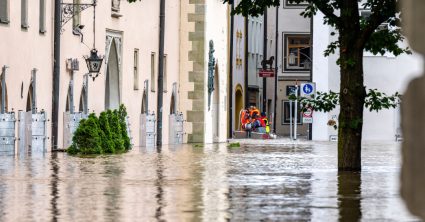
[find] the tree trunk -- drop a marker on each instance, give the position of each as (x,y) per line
(352,97)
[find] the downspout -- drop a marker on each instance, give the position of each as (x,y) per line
(160,71)
(246,62)
(56,74)
(232,27)
(264,58)
(310,125)
(276,70)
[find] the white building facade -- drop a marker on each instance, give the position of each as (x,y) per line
(387,73)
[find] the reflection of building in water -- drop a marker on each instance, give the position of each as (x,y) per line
(260,189)
(215,184)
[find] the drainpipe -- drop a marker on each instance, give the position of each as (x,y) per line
(232,27)
(276,69)
(310,125)
(56,74)
(160,71)
(246,61)
(264,58)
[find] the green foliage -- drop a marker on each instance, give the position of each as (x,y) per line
(104,135)
(323,102)
(234,145)
(327,101)
(376,101)
(87,138)
(369,36)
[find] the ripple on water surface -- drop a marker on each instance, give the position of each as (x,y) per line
(276,182)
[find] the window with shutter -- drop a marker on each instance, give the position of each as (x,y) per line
(4,11)
(42,16)
(24,14)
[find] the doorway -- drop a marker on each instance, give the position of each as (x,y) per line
(238,106)
(216,106)
(112,89)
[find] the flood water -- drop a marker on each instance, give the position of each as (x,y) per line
(268,182)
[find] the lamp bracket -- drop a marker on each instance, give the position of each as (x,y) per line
(69,10)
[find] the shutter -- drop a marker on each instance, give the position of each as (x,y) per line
(4,11)
(24,14)
(42,16)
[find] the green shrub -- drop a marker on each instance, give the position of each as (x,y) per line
(104,135)
(87,138)
(122,112)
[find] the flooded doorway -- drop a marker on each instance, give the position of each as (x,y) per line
(238,106)
(113,77)
(216,107)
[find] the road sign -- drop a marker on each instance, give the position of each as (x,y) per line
(308,115)
(266,73)
(308,89)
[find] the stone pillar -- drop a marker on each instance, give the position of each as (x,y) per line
(413,122)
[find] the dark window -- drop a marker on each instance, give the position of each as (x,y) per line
(76,19)
(42,16)
(286,112)
(24,14)
(4,11)
(297,52)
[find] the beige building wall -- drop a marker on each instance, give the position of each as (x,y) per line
(25,49)
(136,26)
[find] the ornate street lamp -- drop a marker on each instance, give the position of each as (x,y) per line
(94,61)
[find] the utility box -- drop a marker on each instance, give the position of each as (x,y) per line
(176,129)
(7,133)
(147,130)
(71,123)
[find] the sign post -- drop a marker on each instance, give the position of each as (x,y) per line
(308,115)
(308,90)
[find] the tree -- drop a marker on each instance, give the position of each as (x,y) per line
(355,35)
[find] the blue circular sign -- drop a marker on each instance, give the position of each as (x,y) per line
(308,89)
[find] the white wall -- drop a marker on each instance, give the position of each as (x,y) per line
(217,30)
(386,73)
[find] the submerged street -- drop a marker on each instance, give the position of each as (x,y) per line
(273,182)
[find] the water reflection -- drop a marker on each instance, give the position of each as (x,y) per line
(54,185)
(210,183)
(158,184)
(349,196)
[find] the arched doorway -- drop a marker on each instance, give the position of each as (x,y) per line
(216,106)
(238,105)
(144,104)
(173,105)
(30,99)
(83,101)
(67,106)
(5,102)
(112,89)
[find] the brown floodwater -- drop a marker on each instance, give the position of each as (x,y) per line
(256,182)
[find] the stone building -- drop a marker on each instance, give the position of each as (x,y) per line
(127,35)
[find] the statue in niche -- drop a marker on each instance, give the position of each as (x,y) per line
(211,68)
(413,152)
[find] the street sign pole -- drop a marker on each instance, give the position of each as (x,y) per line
(290,119)
(295,113)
